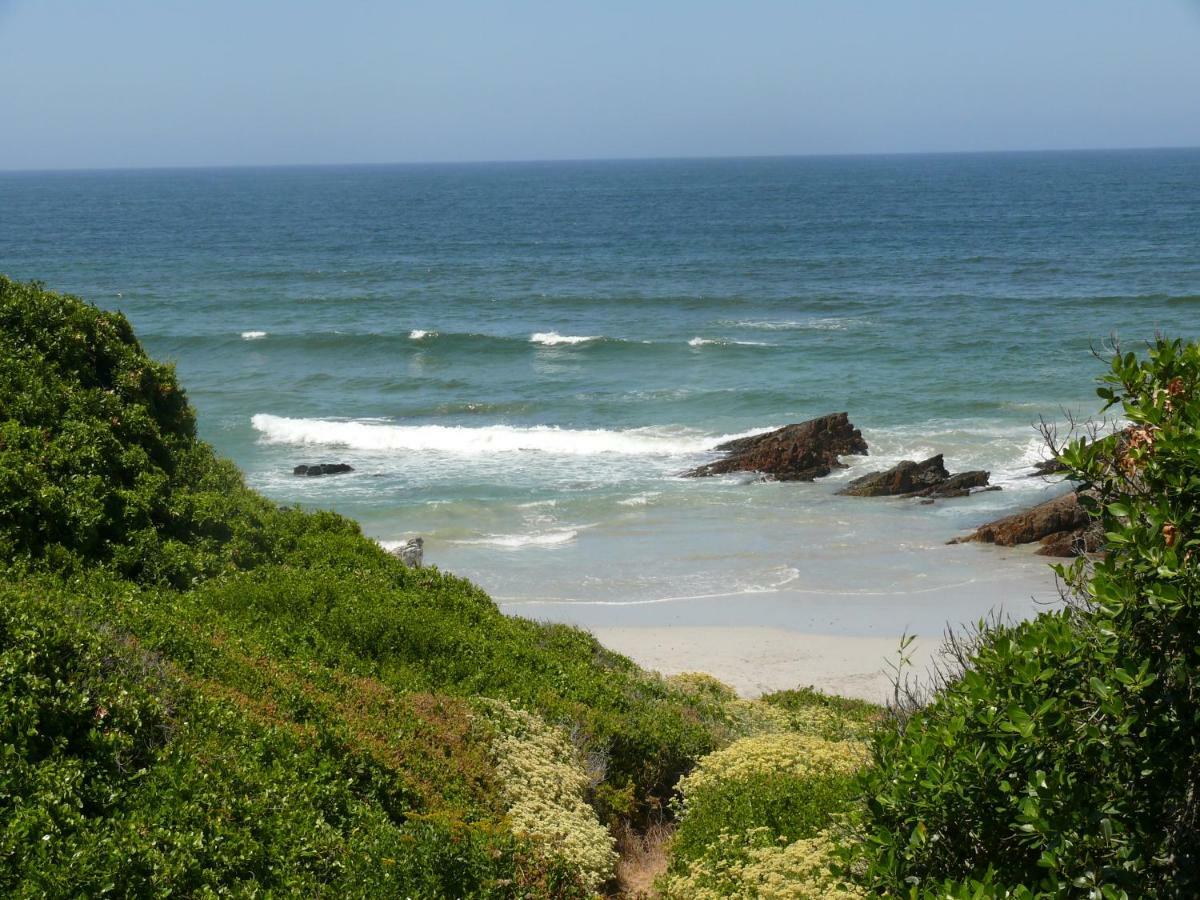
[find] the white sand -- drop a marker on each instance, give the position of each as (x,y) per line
(755,660)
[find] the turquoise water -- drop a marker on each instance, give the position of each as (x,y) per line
(518,359)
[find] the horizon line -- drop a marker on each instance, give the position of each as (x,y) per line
(168,167)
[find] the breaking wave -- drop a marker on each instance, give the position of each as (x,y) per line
(482,441)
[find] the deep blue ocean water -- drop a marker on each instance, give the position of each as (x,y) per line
(518,359)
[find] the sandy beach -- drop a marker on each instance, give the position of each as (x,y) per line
(757,660)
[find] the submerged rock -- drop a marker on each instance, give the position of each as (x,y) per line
(800,452)
(928,478)
(322,469)
(1062,526)
(411,553)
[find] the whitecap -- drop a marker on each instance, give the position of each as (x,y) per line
(521,541)
(253,335)
(417,334)
(639,499)
(554,339)
(373,435)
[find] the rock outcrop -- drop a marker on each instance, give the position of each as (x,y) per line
(1062,526)
(323,469)
(411,553)
(801,452)
(928,478)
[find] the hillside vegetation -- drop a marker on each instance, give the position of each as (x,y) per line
(200,691)
(204,694)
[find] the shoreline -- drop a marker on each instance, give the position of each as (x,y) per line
(837,642)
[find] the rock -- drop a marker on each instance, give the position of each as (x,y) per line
(1061,525)
(323,469)
(800,452)
(928,478)
(1071,543)
(1047,467)
(412,553)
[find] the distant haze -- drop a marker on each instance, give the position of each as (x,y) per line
(151,83)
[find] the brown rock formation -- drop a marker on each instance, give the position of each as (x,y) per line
(1061,526)
(928,478)
(800,452)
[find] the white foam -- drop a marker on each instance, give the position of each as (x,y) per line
(253,335)
(482,441)
(522,541)
(639,499)
(554,339)
(417,334)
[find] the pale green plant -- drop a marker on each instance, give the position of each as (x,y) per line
(543,784)
(785,753)
(755,864)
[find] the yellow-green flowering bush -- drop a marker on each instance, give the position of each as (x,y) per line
(777,753)
(749,717)
(756,865)
(702,684)
(542,783)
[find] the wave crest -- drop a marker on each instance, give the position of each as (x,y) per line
(554,339)
(481,441)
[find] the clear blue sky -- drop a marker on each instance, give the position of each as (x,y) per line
(98,83)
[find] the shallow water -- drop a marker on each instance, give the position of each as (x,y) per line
(519,359)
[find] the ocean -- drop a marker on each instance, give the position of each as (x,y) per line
(519,359)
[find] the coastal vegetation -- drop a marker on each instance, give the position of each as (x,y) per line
(1063,757)
(203,693)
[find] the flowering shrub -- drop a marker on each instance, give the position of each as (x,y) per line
(749,815)
(777,754)
(826,715)
(754,864)
(703,684)
(745,718)
(542,784)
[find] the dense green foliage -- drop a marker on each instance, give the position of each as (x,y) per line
(1066,759)
(755,817)
(202,691)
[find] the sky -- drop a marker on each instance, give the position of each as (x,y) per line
(102,83)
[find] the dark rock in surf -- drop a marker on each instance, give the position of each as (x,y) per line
(800,452)
(929,479)
(1051,466)
(1061,526)
(322,469)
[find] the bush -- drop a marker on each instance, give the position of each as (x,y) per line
(1067,757)
(543,784)
(755,864)
(754,817)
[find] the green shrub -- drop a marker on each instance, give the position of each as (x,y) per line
(1066,759)
(756,864)
(543,783)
